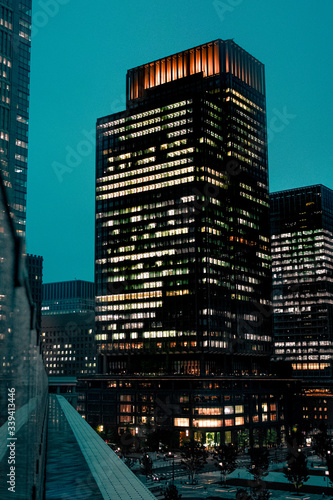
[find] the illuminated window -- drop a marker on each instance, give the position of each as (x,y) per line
(125,397)
(229,422)
(181,422)
(207,423)
(239,421)
(126,419)
(125,408)
(207,411)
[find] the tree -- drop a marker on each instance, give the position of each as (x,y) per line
(322,442)
(225,456)
(171,493)
(296,437)
(126,442)
(193,457)
(152,440)
(146,465)
(297,471)
(259,458)
(259,462)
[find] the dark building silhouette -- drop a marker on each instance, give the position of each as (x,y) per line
(182,218)
(34,265)
(302,255)
(15,33)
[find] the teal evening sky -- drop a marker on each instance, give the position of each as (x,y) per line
(81,51)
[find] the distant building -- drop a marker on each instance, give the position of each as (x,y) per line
(68,297)
(68,328)
(68,344)
(34,264)
(302,258)
(15,33)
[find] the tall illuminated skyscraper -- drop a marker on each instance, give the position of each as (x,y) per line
(15,31)
(302,255)
(182,218)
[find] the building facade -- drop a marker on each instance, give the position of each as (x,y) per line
(15,36)
(302,258)
(66,297)
(23,380)
(68,328)
(34,264)
(245,411)
(182,218)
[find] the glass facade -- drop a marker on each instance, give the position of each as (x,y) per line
(182,218)
(23,380)
(302,254)
(68,328)
(15,31)
(68,344)
(68,297)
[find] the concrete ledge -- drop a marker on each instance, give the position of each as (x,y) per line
(114,480)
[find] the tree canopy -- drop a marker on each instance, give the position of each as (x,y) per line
(193,457)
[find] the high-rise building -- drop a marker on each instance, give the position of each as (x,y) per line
(302,259)
(15,31)
(182,218)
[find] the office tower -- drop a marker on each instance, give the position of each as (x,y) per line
(68,328)
(302,259)
(15,29)
(182,218)
(34,264)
